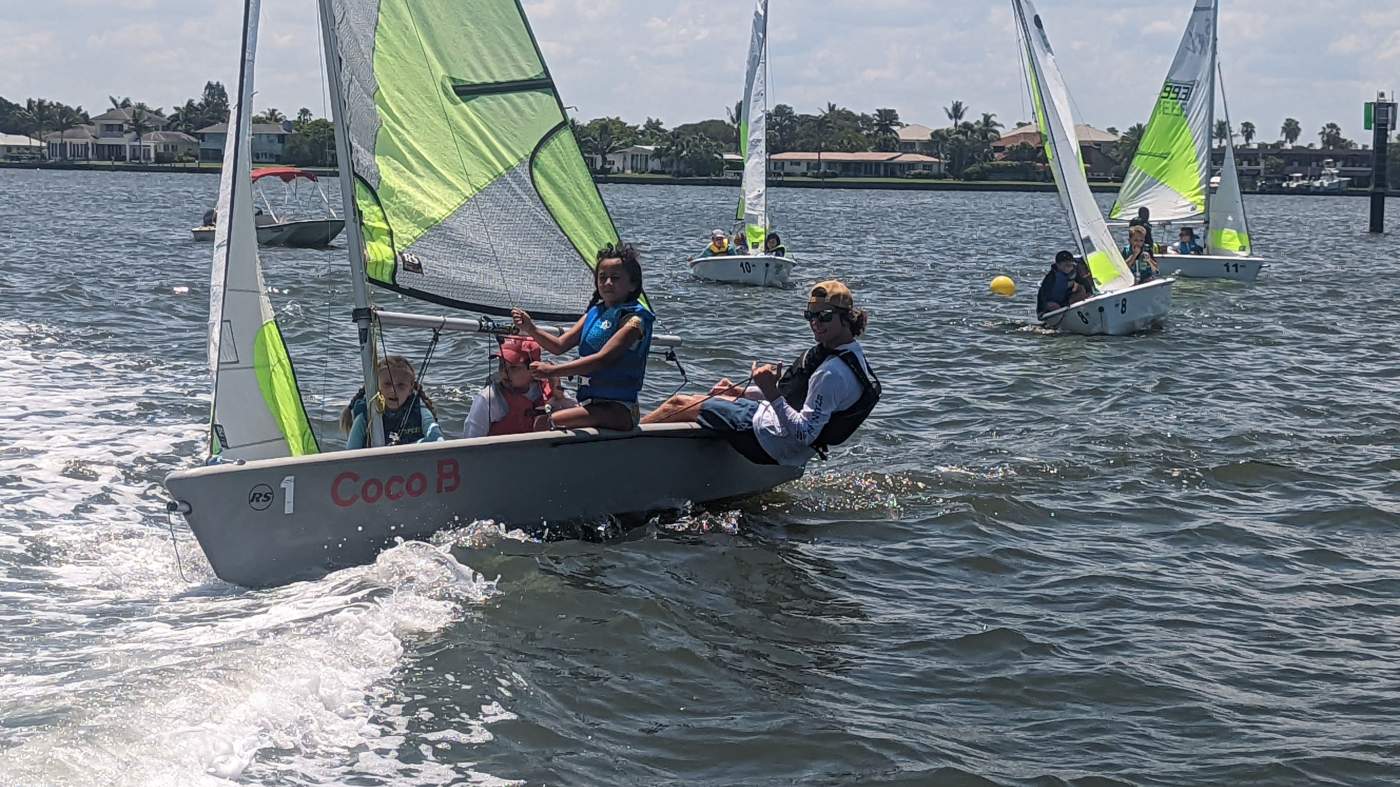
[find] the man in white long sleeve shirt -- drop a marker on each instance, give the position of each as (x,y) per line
(819,401)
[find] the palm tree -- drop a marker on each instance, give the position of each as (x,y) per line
(120,103)
(188,118)
(142,120)
(1331,136)
(653,131)
(886,129)
(1222,132)
(64,118)
(1291,130)
(271,115)
(38,116)
(988,129)
(826,119)
(956,112)
(1247,131)
(304,116)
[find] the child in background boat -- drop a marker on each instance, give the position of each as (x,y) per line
(1139,255)
(1057,288)
(1186,243)
(773,245)
(407,410)
(514,402)
(613,338)
(719,245)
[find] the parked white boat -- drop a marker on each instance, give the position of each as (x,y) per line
(1331,180)
(270,508)
(1121,306)
(1170,174)
(281,226)
(752,265)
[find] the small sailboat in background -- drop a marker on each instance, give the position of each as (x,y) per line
(471,192)
(287,225)
(1122,306)
(1170,174)
(752,264)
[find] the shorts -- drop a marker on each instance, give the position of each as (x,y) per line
(632,407)
(733,419)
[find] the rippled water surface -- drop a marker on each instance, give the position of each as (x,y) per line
(1169,558)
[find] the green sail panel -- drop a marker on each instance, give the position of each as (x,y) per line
(471,189)
(1170,172)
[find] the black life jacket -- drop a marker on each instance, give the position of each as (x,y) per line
(402,426)
(843,423)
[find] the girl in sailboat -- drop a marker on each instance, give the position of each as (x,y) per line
(613,338)
(1138,254)
(407,410)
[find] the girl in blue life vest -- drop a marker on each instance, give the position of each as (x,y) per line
(407,411)
(612,337)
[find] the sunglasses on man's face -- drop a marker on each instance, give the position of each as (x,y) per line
(825,315)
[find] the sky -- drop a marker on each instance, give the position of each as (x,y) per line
(683,60)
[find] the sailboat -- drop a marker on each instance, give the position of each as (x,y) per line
(1121,307)
(753,265)
(468,190)
(1171,172)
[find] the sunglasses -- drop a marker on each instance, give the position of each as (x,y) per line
(825,315)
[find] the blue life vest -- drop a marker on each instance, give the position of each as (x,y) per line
(622,381)
(1060,287)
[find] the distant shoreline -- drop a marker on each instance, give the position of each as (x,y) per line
(890,184)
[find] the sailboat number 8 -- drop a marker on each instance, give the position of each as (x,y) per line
(1123,306)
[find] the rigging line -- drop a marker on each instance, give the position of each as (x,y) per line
(461,160)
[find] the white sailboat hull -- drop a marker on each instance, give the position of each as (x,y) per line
(273,521)
(758,270)
(1210,266)
(1132,310)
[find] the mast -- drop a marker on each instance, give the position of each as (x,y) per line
(1210,102)
(358,281)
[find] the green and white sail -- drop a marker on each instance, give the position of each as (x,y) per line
(258,411)
(1050,98)
(1170,173)
(1227,230)
(471,188)
(753,133)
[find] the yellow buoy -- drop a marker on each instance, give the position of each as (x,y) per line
(1004,286)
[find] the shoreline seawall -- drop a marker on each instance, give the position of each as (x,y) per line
(886,184)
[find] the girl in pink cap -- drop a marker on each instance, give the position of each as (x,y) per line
(513,401)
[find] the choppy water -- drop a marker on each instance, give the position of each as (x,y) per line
(1172,558)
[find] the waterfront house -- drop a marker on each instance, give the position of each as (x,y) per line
(871,164)
(17,147)
(1097,147)
(631,160)
(916,138)
(112,136)
(269,142)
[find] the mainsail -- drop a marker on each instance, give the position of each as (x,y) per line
(257,410)
(753,133)
(1052,113)
(1170,173)
(470,185)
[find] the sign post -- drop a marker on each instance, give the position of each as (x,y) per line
(1380,119)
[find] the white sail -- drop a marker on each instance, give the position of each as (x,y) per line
(1170,173)
(257,412)
(753,132)
(1050,98)
(1227,231)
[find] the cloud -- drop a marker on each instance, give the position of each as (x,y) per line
(682,60)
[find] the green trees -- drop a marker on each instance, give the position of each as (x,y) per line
(1247,131)
(965,143)
(885,129)
(1330,136)
(1291,130)
(1222,133)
